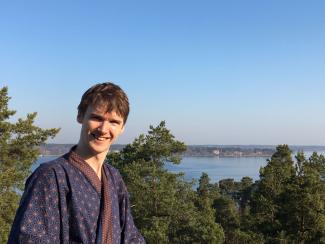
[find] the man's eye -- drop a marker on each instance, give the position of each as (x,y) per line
(114,122)
(96,118)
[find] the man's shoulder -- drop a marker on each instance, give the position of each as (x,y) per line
(54,164)
(115,174)
(111,168)
(117,180)
(50,168)
(113,171)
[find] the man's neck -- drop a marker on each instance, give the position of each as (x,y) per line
(94,161)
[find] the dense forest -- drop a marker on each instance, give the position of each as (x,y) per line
(286,205)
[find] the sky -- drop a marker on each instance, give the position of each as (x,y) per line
(218,72)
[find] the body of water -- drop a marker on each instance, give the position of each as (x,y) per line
(216,167)
(41,160)
(219,167)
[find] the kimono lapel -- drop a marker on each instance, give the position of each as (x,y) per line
(103,189)
(107,233)
(82,165)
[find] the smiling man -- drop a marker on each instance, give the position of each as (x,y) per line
(77,198)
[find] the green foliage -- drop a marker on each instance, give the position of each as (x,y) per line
(288,203)
(304,199)
(207,230)
(206,189)
(165,208)
(18,150)
(226,213)
(241,237)
(268,198)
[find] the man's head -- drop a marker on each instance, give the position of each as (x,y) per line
(107,96)
(102,112)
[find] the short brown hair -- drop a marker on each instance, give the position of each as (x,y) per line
(107,94)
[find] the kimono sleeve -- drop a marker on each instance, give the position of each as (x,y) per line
(129,234)
(38,216)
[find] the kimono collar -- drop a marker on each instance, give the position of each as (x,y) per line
(85,168)
(103,189)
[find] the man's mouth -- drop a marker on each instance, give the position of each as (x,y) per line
(100,138)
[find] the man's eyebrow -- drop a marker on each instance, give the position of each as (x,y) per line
(118,120)
(96,115)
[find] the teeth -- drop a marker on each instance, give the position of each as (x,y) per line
(100,138)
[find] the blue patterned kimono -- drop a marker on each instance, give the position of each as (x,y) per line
(63,203)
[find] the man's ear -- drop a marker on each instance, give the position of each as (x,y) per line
(79,118)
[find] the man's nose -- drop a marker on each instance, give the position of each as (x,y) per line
(104,127)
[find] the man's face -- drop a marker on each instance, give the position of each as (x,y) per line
(99,130)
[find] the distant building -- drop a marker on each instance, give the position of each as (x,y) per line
(216,152)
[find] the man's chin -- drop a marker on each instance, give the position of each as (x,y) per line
(97,149)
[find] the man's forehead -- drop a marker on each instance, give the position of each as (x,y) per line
(102,110)
(98,109)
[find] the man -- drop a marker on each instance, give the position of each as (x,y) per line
(77,198)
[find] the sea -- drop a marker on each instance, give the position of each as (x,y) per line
(217,168)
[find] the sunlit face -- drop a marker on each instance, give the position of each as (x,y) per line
(99,130)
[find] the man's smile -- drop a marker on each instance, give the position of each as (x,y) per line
(99,137)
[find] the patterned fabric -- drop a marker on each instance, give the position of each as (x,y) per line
(64,204)
(102,187)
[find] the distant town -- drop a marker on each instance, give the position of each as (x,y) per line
(198,150)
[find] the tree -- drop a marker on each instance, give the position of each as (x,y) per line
(232,211)
(18,150)
(245,192)
(303,217)
(267,199)
(165,207)
(208,229)
(230,187)
(226,215)
(288,204)
(206,189)
(317,162)
(248,237)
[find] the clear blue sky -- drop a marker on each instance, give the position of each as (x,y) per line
(218,72)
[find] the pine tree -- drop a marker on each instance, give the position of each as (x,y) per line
(208,229)
(267,199)
(164,204)
(227,216)
(288,204)
(246,185)
(18,150)
(207,189)
(304,199)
